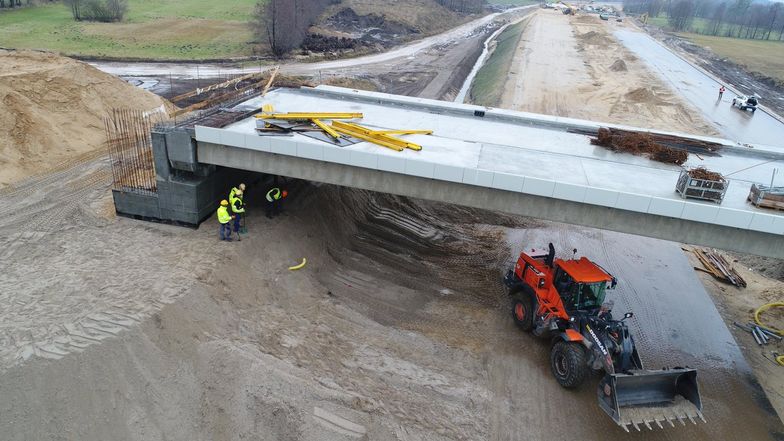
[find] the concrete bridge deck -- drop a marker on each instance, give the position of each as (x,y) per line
(509,161)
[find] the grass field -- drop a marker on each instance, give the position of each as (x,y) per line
(488,84)
(764,57)
(698,26)
(162,29)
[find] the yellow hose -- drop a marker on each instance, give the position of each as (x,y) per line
(759,312)
(296,267)
(780,360)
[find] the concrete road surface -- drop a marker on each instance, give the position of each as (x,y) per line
(703,92)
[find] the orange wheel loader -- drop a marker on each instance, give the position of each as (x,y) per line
(563,300)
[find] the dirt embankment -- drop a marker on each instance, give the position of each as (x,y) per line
(573,66)
(372,25)
(53,109)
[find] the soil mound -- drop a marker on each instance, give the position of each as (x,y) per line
(619,66)
(594,38)
(641,95)
(53,109)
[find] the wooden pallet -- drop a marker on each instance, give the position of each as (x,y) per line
(765,203)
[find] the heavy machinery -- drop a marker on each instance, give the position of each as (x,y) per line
(564,301)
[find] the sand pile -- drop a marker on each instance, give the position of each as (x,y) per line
(618,66)
(595,38)
(53,109)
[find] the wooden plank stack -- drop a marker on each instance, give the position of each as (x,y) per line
(716,265)
(767,197)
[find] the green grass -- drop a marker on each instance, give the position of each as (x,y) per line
(488,84)
(162,29)
(698,26)
(764,57)
(760,56)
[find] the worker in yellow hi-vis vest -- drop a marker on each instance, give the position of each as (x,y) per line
(237,210)
(275,199)
(224,218)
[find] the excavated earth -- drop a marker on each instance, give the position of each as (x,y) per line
(396,329)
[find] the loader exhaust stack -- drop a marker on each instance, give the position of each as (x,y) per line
(644,398)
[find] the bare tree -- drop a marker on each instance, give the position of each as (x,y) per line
(284,24)
(681,15)
(98,10)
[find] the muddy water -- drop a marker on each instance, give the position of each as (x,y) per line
(675,324)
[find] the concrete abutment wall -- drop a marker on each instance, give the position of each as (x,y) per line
(187,192)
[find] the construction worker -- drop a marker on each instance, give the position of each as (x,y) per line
(235,189)
(721,91)
(275,201)
(237,208)
(224,218)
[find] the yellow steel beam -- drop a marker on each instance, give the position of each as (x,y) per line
(359,135)
(403,132)
(379,136)
(309,115)
(330,131)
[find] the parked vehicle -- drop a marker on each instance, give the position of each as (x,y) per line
(744,102)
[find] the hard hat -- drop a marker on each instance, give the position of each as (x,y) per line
(224,202)
(242,187)
(285,193)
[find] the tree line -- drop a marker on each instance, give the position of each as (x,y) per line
(98,10)
(89,10)
(733,18)
(14,3)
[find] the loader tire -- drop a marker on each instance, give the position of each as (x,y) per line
(569,364)
(522,310)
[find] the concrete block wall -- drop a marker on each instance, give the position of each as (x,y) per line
(188,192)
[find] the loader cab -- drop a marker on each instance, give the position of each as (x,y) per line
(581,284)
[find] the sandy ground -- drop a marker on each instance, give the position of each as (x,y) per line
(53,110)
(133,330)
(573,66)
(397,329)
(738,305)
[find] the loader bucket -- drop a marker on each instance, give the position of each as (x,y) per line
(643,398)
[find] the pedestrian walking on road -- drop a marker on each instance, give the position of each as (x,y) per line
(721,91)
(237,210)
(224,218)
(275,201)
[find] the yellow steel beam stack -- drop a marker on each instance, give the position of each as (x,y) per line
(383,138)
